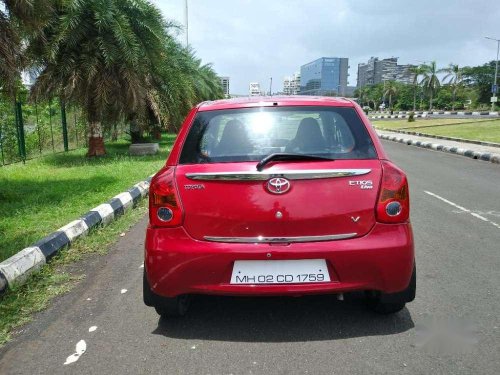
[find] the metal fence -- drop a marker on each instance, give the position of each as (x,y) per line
(31,130)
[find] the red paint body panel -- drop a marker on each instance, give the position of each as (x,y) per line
(309,208)
(177,264)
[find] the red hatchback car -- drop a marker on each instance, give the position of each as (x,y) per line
(266,196)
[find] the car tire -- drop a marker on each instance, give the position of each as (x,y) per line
(390,303)
(171,307)
(164,306)
(376,304)
(147,294)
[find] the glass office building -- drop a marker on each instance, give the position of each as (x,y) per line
(324,76)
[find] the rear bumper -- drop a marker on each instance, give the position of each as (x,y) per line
(177,264)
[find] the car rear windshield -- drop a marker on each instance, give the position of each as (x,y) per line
(250,134)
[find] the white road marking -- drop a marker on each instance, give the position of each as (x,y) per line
(483,213)
(476,215)
(124,291)
(89,299)
(92,329)
(479,217)
(81,347)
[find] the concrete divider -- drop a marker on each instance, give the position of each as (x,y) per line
(405,114)
(484,156)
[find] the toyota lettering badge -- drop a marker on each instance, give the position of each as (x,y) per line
(278,185)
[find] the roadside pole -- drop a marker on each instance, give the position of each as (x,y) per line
(64,126)
(20,131)
(494,87)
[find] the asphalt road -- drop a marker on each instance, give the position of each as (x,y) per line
(451,328)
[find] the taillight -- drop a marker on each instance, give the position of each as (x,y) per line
(393,204)
(165,208)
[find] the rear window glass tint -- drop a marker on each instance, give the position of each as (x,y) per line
(249,134)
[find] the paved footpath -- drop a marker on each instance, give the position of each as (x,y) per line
(453,326)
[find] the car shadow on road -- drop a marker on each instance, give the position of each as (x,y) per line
(281,319)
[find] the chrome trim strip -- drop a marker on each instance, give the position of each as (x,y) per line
(306,174)
(262,239)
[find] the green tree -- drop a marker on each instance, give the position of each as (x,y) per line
(405,97)
(100,55)
(481,78)
(454,79)
(18,19)
(416,72)
(206,83)
(180,82)
(362,95)
(390,90)
(374,94)
(430,81)
(444,97)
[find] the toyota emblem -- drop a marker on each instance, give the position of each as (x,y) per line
(278,185)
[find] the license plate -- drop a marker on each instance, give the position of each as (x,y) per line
(280,271)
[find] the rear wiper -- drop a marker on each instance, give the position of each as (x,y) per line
(287,156)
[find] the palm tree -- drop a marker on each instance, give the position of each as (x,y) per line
(416,71)
(374,95)
(390,90)
(100,55)
(455,80)
(180,82)
(206,83)
(430,81)
(18,19)
(362,94)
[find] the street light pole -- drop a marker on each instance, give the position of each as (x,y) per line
(187,24)
(493,94)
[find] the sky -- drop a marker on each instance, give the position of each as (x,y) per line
(253,40)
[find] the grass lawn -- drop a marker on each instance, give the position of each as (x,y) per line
(419,122)
(474,129)
(47,193)
(488,131)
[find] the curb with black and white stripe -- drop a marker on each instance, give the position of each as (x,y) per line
(379,117)
(485,156)
(455,139)
(405,114)
(16,269)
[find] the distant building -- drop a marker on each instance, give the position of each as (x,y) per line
(254,89)
(349,92)
(291,85)
(287,82)
(404,74)
(225,85)
(324,76)
(362,78)
(376,71)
